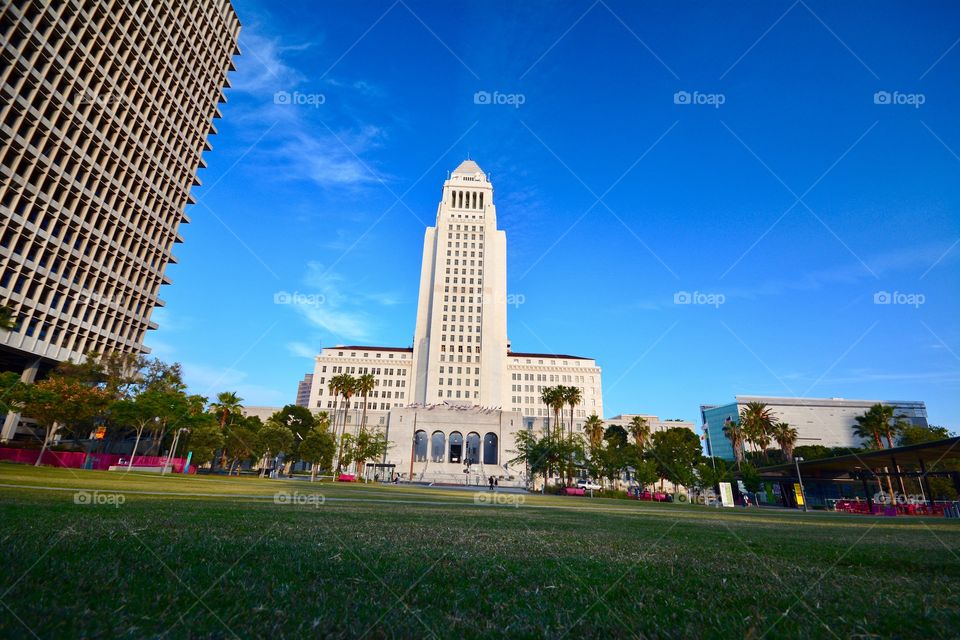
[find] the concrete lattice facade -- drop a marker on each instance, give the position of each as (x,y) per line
(106,112)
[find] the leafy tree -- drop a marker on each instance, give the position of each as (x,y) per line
(139,413)
(299,420)
(57,402)
(676,451)
(205,437)
(711,473)
(645,473)
(273,439)
(7,321)
(918,434)
(10,386)
(318,446)
(616,435)
(240,439)
(369,445)
(750,477)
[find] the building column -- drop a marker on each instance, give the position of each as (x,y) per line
(10,422)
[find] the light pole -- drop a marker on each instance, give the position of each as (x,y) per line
(803,494)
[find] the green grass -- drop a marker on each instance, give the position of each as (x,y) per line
(223,560)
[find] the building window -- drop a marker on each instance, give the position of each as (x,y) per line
(456,447)
(420,446)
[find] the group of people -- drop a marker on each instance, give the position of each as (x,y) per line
(494,482)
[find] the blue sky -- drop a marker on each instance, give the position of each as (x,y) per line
(784,161)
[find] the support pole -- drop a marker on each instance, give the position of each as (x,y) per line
(925,481)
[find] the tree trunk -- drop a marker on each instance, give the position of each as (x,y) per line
(47,436)
(313,472)
(136,443)
(263,463)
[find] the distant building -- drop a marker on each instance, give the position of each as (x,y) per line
(303,390)
(655,423)
(827,422)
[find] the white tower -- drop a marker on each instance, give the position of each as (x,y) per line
(460,344)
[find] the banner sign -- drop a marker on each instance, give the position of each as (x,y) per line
(726,494)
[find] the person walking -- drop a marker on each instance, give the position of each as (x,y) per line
(491,483)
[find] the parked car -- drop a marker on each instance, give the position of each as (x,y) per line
(588,485)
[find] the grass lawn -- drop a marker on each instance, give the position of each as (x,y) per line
(217,557)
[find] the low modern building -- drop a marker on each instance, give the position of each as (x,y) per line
(303,391)
(828,422)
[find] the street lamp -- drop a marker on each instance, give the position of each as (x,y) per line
(803,494)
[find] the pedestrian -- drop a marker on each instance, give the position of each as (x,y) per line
(491,483)
(496,482)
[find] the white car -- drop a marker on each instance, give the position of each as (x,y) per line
(588,485)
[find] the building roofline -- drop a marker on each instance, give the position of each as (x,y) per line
(354,347)
(519,354)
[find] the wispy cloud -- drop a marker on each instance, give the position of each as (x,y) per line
(209,381)
(302,350)
(338,306)
(265,86)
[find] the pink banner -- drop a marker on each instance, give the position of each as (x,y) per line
(80,460)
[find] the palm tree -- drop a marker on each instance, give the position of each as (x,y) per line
(593,427)
(756,422)
(786,437)
(559,402)
(364,385)
(640,430)
(333,386)
(571,396)
(348,386)
(872,424)
(734,433)
(228,404)
(549,396)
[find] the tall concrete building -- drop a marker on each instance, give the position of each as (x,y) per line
(105,110)
(461,331)
(460,370)
(828,422)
